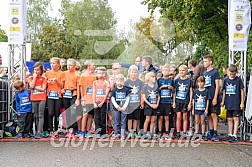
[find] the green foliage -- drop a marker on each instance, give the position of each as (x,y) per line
(203,23)
(37,18)
(3,36)
(69,39)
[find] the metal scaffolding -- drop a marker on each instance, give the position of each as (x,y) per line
(16,69)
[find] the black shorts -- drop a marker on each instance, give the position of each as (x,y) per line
(89,109)
(199,112)
(180,107)
(151,112)
(211,108)
(135,115)
(165,109)
(233,113)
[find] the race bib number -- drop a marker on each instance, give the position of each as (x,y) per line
(134,98)
(165,93)
(153,100)
(68,94)
(200,105)
(89,90)
(231,89)
(181,95)
(24,101)
(53,95)
(100,92)
(120,96)
(208,82)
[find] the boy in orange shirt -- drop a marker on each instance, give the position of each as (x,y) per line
(37,84)
(54,95)
(86,89)
(101,89)
(70,94)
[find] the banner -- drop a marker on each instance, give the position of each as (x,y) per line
(248,111)
(239,24)
(17,21)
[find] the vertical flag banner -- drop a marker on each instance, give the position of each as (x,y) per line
(17,21)
(239,24)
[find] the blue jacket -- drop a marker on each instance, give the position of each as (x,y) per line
(23,102)
(126,65)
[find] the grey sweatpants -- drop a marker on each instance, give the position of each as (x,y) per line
(39,109)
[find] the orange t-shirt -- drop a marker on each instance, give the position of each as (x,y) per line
(53,86)
(71,80)
(86,83)
(99,89)
(35,94)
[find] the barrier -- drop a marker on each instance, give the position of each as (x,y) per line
(3,103)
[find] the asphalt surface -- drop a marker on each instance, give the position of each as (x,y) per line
(117,154)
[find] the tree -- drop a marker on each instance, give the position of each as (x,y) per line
(37,18)
(203,21)
(3,36)
(52,43)
(90,15)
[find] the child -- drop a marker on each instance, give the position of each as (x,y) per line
(212,78)
(182,99)
(38,84)
(120,101)
(233,98)
(165,85)
(135,98)
(200,107)
(86,83)
(101,89)
(70,92)
(23,108)
(54,95)
(151,100)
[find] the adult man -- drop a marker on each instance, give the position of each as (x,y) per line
(138,63)
(147,64)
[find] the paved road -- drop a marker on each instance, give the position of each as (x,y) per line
(144,154)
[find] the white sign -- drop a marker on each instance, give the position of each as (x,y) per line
(248,111)
(17,21)
(239,24)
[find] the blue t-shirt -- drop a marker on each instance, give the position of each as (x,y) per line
(120,95)
(182,87)
(151,94)
(232,89)
(165,93)
(210,77)
(135,93)
(23,102)
(200,99)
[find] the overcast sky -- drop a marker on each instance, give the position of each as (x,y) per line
(125,11)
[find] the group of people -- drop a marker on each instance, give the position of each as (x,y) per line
(146,103)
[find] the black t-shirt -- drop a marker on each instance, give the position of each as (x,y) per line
(120,95)
(200,99)
(151,94)
(182,87)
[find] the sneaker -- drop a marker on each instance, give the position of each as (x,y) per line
(234,139)
(38,135)
(46,134)
(69,135)
(146,136)
(230,138)
(88,135)
(76,132)
(215,138)
(130,135)
(136,136)
(82,135)
(104,136)
(115,136)
(159,135)
(123,137)
(204,138)
(97,136)
(167,137)
(25,135)
(18,136)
